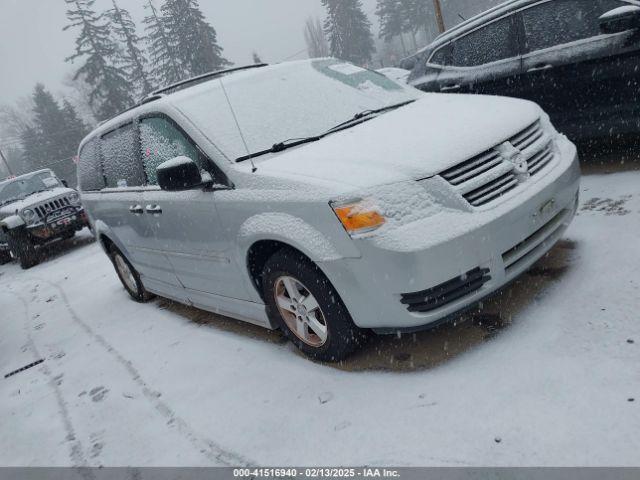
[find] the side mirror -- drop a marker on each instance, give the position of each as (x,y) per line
(408,63)
(620,19)
(179,173)
(65,183)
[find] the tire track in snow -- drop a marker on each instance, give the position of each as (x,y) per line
(76,454)
(207,447)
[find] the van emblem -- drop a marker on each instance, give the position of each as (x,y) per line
(514,155)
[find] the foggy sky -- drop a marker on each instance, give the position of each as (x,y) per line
(33,46)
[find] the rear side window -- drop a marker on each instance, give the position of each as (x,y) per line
(494,42)
(121,163)
(559,22)
(161,140)
(90,175)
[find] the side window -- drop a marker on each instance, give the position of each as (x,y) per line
(160,141)
(89,169)
(122,167)
(559,22)
(442,56)
(491,43)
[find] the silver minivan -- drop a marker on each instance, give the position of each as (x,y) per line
(325,199)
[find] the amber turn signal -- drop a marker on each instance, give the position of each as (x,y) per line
(358,217)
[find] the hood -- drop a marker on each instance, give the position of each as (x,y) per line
(32,200)
(416,141)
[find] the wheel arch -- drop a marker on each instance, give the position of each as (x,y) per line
(262,235)
(11,223)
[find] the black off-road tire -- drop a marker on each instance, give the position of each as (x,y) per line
(135,288)
(343,338)
(23,249)
(5,257)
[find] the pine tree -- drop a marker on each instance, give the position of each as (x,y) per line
(392,15)
(49,123)
(53,134)
(419,16)
(110,92)
(348,30)
(315,39)
(192,38)
(166,68)
(75,128)
(133,60)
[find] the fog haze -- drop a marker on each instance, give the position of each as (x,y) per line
(33,46)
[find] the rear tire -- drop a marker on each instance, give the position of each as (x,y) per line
(303,303)
(129,277)
(23,249)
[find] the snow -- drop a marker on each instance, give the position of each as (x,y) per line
(160,384)
(281,102)
(399,75)
(412,142)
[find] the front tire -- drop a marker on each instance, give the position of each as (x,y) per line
(129,277)
(5,257)
(301,300)
(23,249)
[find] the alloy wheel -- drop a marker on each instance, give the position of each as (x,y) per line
(300,311)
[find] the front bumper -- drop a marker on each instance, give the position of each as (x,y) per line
(58,226)
(505,240)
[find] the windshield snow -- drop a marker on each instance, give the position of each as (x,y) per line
(283,102)
(24,186)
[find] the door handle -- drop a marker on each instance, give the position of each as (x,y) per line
(450,87)
(154,209)
(541,67)
(136,210)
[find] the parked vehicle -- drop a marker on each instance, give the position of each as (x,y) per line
(36,209)
(399,75)
(578,59)
(325,199)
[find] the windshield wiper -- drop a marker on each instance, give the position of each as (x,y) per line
(294,142)
(281,146)
(368,113)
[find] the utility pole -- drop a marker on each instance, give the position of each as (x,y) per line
(6,163)
(439,17)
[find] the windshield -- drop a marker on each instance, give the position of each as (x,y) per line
(288,101)
(22,187)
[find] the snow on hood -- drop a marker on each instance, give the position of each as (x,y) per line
(413,142)
(35,199)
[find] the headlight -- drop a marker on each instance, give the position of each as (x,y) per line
(29,216)
(74,198)
(358,217)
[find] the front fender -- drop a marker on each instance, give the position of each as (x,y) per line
(11,223)
(290,230)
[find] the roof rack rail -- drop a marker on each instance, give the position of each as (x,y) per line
(161,92)
(201,78)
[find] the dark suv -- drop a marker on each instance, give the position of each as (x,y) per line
(35,210)
(578,59)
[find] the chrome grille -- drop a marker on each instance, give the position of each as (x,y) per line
(492,190)
(527,137)
(488,176)
(540,159)
(46,208)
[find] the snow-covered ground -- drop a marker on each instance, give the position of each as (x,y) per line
(542,376)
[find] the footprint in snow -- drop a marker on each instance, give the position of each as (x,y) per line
(98,394)
(325,397)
